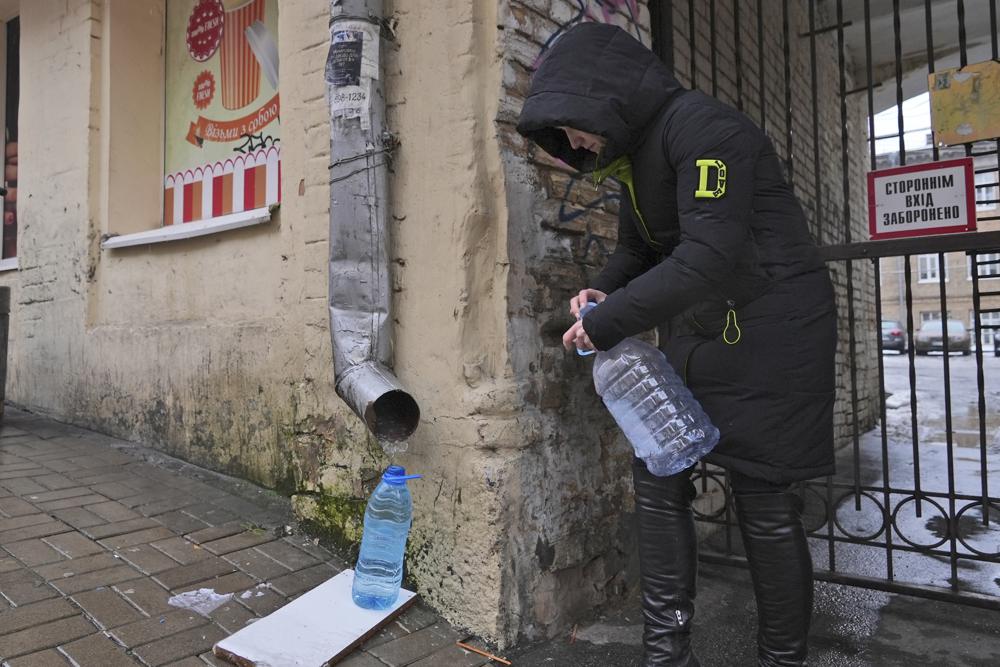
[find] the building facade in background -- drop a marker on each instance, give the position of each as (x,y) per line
(170,280)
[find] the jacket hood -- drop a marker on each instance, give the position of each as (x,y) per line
(599,79)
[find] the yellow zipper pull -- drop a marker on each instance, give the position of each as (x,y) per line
(731,320)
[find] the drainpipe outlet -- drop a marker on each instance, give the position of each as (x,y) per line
(375,394)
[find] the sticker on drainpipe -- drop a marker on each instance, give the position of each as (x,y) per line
(351,66)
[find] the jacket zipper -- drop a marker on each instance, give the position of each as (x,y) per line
(621,169)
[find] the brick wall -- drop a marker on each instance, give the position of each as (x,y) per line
(572,537)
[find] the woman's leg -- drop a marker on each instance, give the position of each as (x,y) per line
(781,568)
(668,564)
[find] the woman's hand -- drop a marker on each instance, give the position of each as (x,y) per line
(576,337)
(581,299)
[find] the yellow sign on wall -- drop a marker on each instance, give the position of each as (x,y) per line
(222,152)
(965,103)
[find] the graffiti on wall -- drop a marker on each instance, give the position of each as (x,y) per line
(597,11)
(572,204)
(255,142)
(591,242)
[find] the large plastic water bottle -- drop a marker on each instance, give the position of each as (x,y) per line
(379,572)
(666,425)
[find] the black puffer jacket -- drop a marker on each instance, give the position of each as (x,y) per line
(714,248)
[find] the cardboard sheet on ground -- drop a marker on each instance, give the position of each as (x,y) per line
(320,627)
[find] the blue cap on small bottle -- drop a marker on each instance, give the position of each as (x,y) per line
(583,311)
(397,475)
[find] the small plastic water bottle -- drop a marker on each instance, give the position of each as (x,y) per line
(379,572)
(583,311)
(666,425)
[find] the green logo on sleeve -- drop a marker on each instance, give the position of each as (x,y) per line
(704,168)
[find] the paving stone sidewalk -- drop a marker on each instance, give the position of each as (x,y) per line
(97,534)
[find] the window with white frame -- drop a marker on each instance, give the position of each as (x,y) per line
(927,268)
(929,315)
(987,321)
(989,264)
(203,156)
(986,190)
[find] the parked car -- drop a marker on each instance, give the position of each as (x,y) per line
(930,338)
(893,336)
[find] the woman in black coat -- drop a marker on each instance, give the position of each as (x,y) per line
(713,248)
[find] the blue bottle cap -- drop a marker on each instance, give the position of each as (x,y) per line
(583,311)
(397,475)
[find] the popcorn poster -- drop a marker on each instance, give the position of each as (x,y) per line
(222,152)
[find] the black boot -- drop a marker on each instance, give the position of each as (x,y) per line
(668,565)
(781,569)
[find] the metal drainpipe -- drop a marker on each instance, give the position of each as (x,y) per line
(359,287)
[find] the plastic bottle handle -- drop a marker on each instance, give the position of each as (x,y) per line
(583,311)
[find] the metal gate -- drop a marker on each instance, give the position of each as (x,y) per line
(911,509)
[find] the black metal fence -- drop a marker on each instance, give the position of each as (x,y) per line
(911,509)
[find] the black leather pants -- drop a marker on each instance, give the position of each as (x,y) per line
(780,566)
